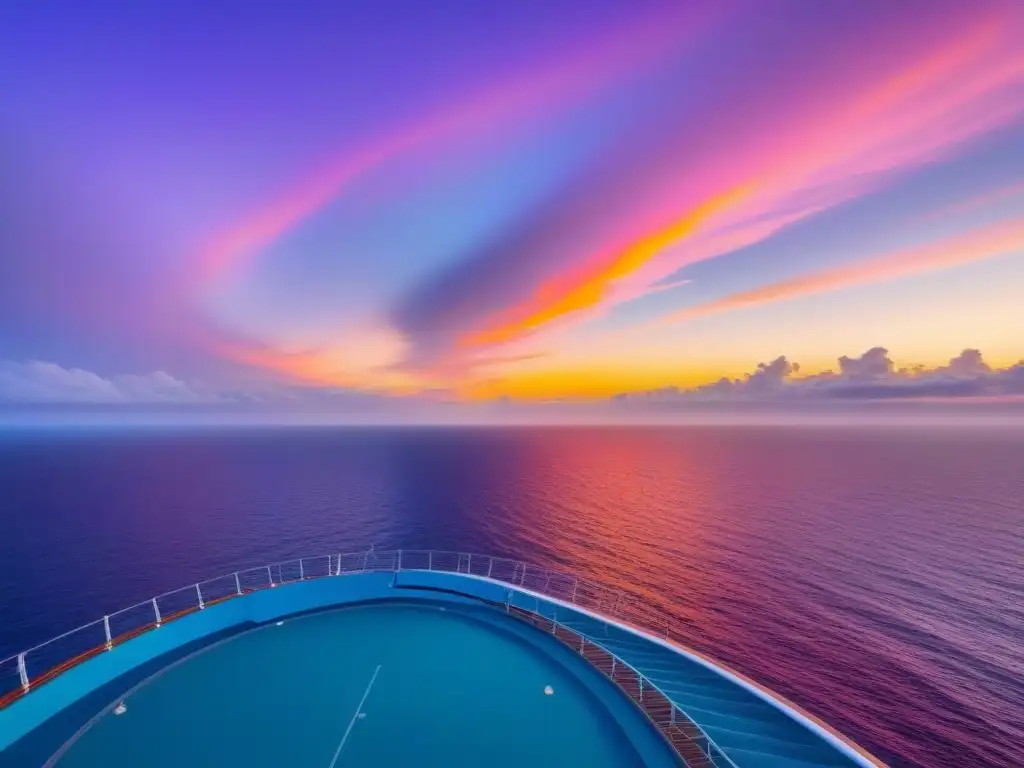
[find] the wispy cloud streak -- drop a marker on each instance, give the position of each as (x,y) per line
(551,86)
(986,243)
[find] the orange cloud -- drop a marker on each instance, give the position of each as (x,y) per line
(985,243)
(586,287)
(359,364)
(303,366)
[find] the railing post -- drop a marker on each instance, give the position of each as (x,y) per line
(469,562)
(641,679)
(399,561)
(22,672)
(522,576)
(270,576)
(106,631)
(200,594)
(302,570)
(575,584)
(672,719)
(490,566)
(582,641)
(156,611)
(430,560)
(366,559)
(613,667)
(339,564)
(238,584)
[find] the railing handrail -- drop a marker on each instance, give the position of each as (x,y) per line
(650,683)
(229,574)
(653,685)
(519,572)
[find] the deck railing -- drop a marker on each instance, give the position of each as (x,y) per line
(21,673)
(694,746)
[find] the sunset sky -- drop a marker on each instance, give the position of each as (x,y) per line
(327,205)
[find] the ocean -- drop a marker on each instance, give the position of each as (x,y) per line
(873,576)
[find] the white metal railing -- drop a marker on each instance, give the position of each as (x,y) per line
(691,742)
(24,671)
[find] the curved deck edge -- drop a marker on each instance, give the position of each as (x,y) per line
(32,711)
(814,724)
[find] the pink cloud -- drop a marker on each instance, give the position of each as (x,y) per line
(550,86)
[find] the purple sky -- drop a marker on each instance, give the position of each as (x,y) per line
(311,207)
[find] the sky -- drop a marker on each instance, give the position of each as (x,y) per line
(400,208)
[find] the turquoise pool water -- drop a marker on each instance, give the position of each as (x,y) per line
(439,686)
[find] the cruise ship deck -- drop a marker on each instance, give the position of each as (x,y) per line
(373,659)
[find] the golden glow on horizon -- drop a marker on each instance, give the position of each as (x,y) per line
(597,382)
(603,383)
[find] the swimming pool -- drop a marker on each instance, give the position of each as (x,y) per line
(387,684)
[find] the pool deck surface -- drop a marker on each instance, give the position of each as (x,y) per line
(378,667)
(389,684)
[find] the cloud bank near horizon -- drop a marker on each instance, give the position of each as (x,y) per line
(41,382)
(871,376)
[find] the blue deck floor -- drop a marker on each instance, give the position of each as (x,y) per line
(439,687)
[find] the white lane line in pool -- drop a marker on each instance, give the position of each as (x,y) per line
(355,716)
